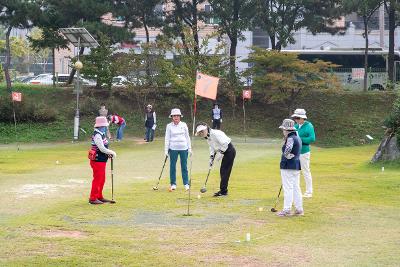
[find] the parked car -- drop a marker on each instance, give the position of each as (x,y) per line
(119,81)
(47,79)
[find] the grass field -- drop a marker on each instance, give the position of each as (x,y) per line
(45,220)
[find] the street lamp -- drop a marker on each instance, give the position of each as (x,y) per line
(79,37)
(78,66)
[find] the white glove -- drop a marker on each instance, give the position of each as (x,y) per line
(289,156)
(219,156)
(166,153)
(221,120)
(190,152)
(154,127)
(113,154)
(212,120)
(211,160)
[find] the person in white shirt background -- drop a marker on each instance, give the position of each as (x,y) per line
(177,143)
(220,146)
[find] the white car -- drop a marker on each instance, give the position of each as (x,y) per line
(119,81)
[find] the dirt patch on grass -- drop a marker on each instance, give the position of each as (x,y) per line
(197,219)
(29,190)
(61,233)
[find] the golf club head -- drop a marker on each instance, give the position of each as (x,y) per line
(155,188)
(273,210)
(203,190)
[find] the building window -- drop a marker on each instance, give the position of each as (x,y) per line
(210,19)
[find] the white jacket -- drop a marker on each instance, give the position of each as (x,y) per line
(218,141)
(177,137)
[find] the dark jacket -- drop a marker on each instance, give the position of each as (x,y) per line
(293,163)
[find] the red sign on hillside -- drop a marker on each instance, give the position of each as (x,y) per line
(16,96)
(246,94)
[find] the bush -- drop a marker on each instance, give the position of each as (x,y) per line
(26,111)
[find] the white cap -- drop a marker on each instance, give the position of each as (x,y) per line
(200,128)
(175,111)
(299,113)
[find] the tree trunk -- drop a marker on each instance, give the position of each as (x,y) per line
(392,27)
(195,31)
(54,67)
(148,77)
(8,60)
(72,74)
(365,54)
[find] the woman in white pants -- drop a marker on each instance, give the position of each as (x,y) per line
(290,170)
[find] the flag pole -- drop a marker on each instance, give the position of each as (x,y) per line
(244,120)
(15,126)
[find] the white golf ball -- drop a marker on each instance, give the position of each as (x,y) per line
(198,196)
(57,162)
(260,209)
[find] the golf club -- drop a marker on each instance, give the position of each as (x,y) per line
(204,188)
(112,181)
(159,178)
(277,200)
(190,187)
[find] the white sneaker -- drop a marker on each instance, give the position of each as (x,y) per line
(172,187)
(186,187)
(307,195)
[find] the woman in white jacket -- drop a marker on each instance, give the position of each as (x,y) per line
(177,143)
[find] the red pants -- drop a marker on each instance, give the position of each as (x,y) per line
(99,178)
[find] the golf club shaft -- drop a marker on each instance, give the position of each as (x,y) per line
(209,170)
(277,199)
(162,170)
(112,178)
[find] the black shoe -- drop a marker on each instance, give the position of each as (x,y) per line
(95,202)
(107,201)
(220,194)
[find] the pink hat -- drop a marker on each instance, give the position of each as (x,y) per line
(101,121)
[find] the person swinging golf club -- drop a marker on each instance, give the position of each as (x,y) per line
(220,146)
(290,170)
(177,143)
(98,155)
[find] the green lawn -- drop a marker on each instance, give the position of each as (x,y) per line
(352,220)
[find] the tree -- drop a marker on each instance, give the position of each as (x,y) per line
(234,16)
(76,13)
(140,13)
(364,9)
(40,55)
(281,77)
(281,18)
(99,63)
(185,14)
(15,14)
(392,8)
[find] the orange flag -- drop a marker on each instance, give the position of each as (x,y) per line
(206,86)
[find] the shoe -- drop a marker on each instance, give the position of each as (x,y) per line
(172,187)
(107,200)
(220,194)
(298,213)
(284,213)
(187,187)
(307,195)
(95,202)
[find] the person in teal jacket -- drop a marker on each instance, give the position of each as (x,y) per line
(305,130)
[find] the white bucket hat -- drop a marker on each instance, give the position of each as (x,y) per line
(200,128)
(299,113)
(175,111)
(287,125)
(149,106)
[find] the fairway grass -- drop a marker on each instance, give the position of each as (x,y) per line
(353,218)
